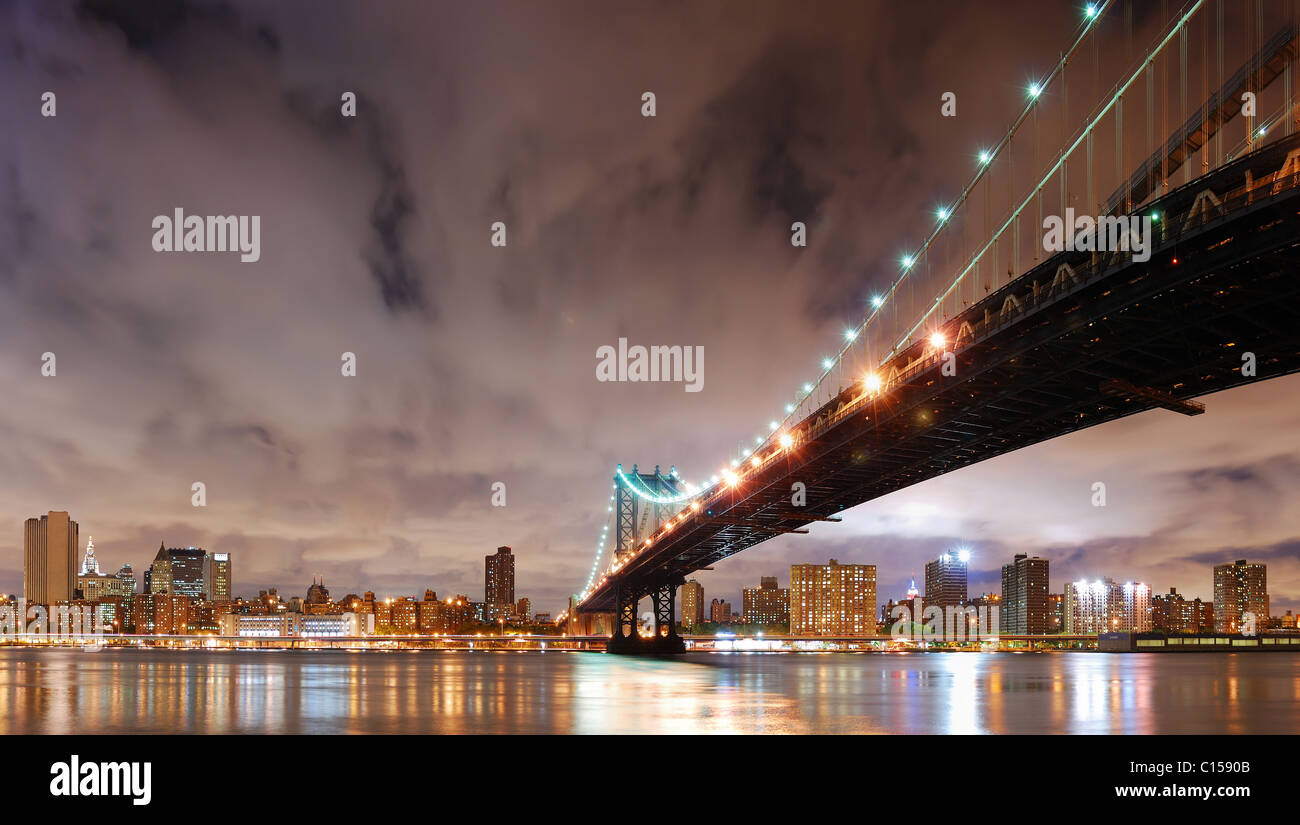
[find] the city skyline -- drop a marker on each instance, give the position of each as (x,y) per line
(961,556)
(476,364)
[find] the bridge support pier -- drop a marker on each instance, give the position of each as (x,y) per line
(666,641)
(625,638)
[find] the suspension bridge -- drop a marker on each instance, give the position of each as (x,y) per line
(986,342)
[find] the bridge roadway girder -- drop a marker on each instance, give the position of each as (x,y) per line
(1177,323)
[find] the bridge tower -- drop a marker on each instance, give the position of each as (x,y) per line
(640,515)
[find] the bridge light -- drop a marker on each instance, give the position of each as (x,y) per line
(756,462)
(876,300)
(729,477)
(772,425)
(827,363)
(789,408)
(746,453)
(963,555)
(943,213)
(1035,90)
(807,387)
(758,439)
(786,440)
(872,382)
(850,334)
(936,340)
(985,157)
(1091,11)
(907,261)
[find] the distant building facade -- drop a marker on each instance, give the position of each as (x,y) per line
(49,558)
(1107,606)
(1239,588)
(833,599)
(720,612)
(1024,603)
(766,604)
(1172,613)
(692,604)
(216,577)
(945,580)
(499,584)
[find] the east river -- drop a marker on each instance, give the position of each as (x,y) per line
(161,691)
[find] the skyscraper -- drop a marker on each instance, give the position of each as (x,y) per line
(216,577)
(692,604)
(187,571)
(833,599)
(1024,597)
(499,581)
(1239,588)
(945,579)
(158,578)
(178,570)
(49,558)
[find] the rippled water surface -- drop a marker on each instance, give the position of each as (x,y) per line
(123,691)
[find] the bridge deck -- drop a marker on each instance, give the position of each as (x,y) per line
(1036,359)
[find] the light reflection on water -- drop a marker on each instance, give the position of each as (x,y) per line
(125,691)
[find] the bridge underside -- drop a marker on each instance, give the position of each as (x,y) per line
(1053,352)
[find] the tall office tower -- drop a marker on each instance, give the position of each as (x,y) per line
(187,571)
(1024,597)
(765,604)
(1240,587)
(158,578)
(692,604)
(216,577)
(49,558)
(832,599)
(179,571)
(1106,606)
(499,580)
(945,579)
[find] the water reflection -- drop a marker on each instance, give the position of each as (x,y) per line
(125,691)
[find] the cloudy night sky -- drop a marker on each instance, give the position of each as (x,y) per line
(477,364)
